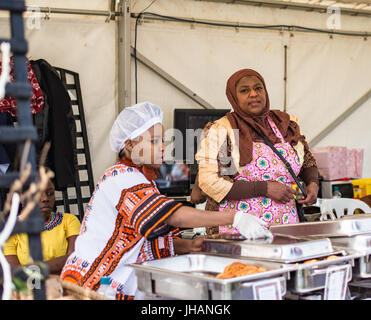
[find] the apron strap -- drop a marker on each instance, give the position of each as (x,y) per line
(275,130)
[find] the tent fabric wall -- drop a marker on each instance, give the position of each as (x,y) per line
(70,4)
(325,76)
(88,47)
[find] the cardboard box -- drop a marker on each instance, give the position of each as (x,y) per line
(355,162)
(331,162)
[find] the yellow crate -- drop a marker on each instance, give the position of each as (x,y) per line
(361,188)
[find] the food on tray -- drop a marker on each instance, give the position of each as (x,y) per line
(311,260)
(321,259)
(238,269)
(331,257)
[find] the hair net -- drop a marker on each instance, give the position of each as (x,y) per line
(132,122)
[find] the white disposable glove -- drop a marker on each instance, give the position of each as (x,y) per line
(250,226)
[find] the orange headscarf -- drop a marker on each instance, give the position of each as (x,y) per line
(244,121)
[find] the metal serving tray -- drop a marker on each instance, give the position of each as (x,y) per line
(305,277)
(361,243)
(357,216)
(282,249)
(309,277)
(192,276)
(330,228)
(357,244)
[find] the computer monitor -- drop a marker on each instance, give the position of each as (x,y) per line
(190,123)
(174,179)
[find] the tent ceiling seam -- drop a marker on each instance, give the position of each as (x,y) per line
(295,5)
(150,16)
(48,10)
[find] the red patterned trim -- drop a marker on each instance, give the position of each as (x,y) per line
(132,189)
(121,241)
(122,296)
(72,276)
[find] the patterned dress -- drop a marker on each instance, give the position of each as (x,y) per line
(266,166)
(123,224)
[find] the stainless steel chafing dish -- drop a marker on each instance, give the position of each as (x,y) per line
(360,244)
(352,233)
(289,250)
(349,233)
(309,277)
(192,276)
(330,228)
(282,249)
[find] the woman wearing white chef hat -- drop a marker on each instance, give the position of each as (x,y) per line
(128,220)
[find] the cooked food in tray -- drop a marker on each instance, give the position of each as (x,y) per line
(238,269)
(321,259)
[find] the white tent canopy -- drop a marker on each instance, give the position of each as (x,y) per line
(325,75)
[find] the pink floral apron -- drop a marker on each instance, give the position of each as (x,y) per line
(266,166)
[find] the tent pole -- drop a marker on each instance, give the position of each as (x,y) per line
(104,13)
(175,83)
(285,80)
(123,56)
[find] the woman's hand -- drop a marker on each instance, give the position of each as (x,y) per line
(279,192)
(184,246)
(196,244)
(251,226)
(197,195)
(312,191)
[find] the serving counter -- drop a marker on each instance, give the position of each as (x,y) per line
(308,259)
(193,277)
(312,258)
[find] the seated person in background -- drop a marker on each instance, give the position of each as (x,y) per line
(58,237)
(127,219)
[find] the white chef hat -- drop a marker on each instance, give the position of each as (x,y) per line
(132,122)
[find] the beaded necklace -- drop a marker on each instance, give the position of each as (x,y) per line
(55,219)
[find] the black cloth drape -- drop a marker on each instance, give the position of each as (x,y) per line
(8,153)
(7,150)
(55,123)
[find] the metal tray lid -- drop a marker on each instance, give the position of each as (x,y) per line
(329,228)
(282,248)
(361,243)
(357,216)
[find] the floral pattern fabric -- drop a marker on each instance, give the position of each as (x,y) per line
(266,166)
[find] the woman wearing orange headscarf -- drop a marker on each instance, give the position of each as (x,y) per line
(238,171)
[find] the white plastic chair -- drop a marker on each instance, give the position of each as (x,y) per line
(335,208)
